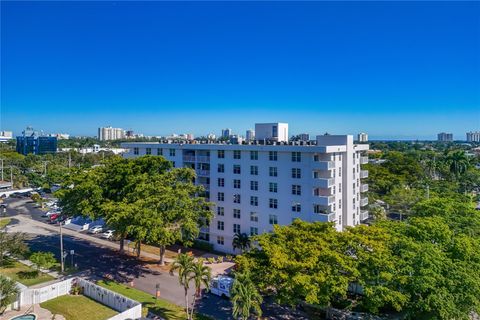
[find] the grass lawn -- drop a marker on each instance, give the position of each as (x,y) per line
(4,222)
(14,269)
(78,308)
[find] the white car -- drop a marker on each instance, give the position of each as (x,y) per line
(95,229)
(108,234)
(221,286)
(49,213)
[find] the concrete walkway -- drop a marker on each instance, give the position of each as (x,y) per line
(41,313)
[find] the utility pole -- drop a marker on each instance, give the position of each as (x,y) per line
(69,160)
(62,267)
(45,166)
(11,175)
(428,191)
(2,168)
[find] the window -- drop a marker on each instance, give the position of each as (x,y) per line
(237,154)
(221,196)
(236,184)
(220,211)
(148,151)
(272,219)
(221,182)
(296,157)
(254,185)
(272,171)
(159,152)
(296,173)
(236,228)
(220,225)
(172,152)
(253,216)
(272,155)
(340,204)
(254,201)
(296,189)
(273,203)
(296,207)
(236,198)
(340,171)
(220,240)
(253,155)
(236,169)
(221,154)
(135,150)
(339,188)
(236,213)
(221,168)
(272,187)
(173,163)
(254,170)
(253,231)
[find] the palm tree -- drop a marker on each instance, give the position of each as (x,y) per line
(241,241)
(184,265)
(458,162)
(8,292)
(201,275)
(245,297)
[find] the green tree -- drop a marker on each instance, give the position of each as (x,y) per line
(43,260)
(402,198)
(458,162)
(8,292)
(200,274)
(241,241)
(377,212)
(13,244)
(183,264)
(245,297)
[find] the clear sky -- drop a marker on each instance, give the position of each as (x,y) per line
(405,70)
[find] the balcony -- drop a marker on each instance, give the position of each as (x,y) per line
(205,186)
(325,217)
(324,200)
(363,202)
(363,160)
(364,187)
(323,182)
(205,159)
(363,215)
(363,174)
(202,173)
(323,165)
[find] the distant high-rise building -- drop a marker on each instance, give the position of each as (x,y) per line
(109,133)
(189,136)
(271,131)
(35,142)
(445,137)
(211,136)
(226,133)
(250,135)
(5,136)
(362,137)
(304,137)
(473,136)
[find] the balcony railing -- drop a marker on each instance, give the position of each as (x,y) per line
(196,159)
(324,165)
(323,182)
(326,217)
(363,202)
(363,160)
(203,173)
(364,187)
(363,174)
(363,215)
(325,200)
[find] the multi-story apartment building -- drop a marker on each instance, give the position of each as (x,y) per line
(35,142)
(362,137)
(250,135)
(255,186)
(277,132)
(109,133)
(445,137)
(473,136)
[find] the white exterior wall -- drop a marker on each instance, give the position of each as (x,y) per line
(336,154)
(264,131)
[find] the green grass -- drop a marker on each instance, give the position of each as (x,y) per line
(4,222)
(78,308)
(14,269)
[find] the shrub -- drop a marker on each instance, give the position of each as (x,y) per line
(202,245)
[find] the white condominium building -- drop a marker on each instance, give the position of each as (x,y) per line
(445,137)
(109,133)
(362,137)
(255,185)
(271,132)
(473,136)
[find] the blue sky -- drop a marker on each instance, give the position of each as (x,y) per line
(394,70)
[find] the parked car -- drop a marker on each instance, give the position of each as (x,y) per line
(52,212)
(221,286)
(95,229)
(108,234)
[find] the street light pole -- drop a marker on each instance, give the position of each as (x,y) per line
(61,248)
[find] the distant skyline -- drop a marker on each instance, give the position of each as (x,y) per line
(396,70)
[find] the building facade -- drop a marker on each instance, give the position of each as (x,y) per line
(255,186)
(250,135)
(226,133)
(473,136)
(33,142)
(445,137)
(277,132)
(362,137)
(109,133)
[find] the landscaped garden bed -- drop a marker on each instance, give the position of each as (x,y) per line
(24,274)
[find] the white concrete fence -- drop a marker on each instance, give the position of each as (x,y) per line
(128,308)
